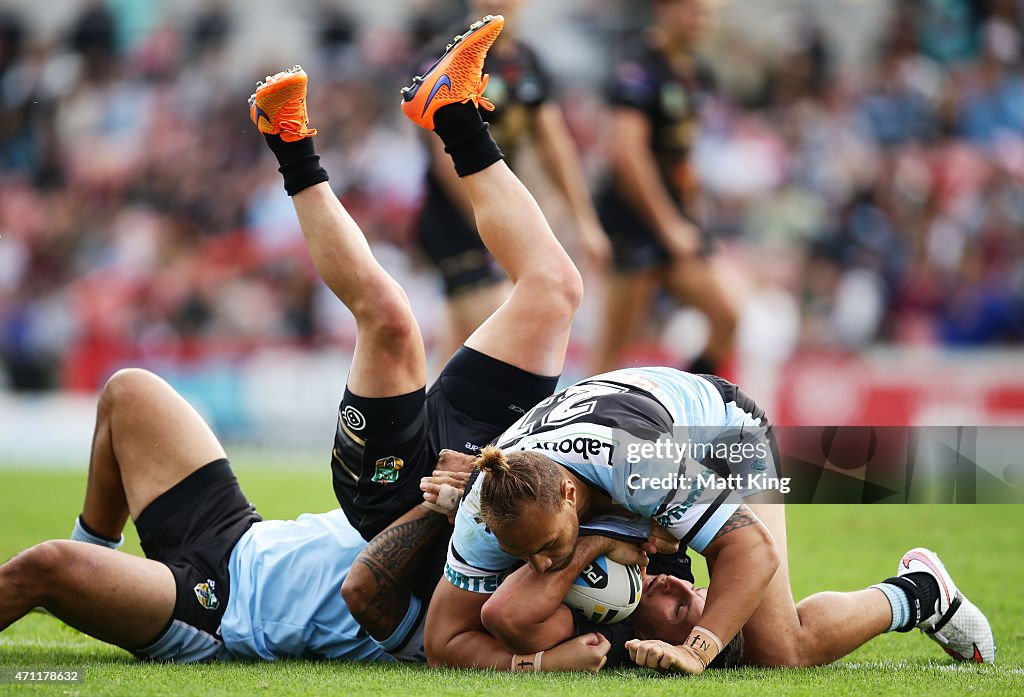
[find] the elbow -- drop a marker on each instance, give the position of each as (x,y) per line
(434,646)
(769,552)
(357,590)
(506,626)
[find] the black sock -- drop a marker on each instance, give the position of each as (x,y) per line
(922,592)
(300,165)
(466,138)
(929,590)
(85,526)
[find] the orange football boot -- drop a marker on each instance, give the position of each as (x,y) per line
(456,77)
(279,105)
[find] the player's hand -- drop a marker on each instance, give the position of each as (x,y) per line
(454,461)
(627,553)
(660,541)
(682,239)
(663,656)
(442,492)
(587,652)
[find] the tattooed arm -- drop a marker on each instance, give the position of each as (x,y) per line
(376,589)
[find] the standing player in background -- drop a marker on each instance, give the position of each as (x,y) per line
(649,204)
(520,90)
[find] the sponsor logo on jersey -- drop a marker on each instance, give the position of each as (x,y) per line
(354,418)
(579,445)
(675,512)
(472,447)
(206,596)
(387,468)
(477,584)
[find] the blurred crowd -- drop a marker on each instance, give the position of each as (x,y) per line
(142,220)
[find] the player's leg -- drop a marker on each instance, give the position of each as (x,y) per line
(530,330)
(694,281)
(627,301)
(117,598)
(829,625)
(823,628)
(389,357)
(147,439)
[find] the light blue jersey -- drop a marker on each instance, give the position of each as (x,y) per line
(641,436)
(285,597)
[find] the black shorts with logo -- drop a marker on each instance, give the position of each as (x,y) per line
(192,529)
(379,456)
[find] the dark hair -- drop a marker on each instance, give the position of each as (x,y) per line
(732,655)
(513,480)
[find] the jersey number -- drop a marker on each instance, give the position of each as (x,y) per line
(559,409)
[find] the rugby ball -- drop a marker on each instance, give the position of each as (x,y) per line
(606,591)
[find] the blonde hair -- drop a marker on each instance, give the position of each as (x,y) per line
(514,479)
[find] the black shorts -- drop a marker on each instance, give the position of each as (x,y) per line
(454,247)
(635,245)
(192,529)
(383,447)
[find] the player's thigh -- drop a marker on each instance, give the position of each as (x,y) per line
(772,634)
(697,282)
(115,597)
(157,437)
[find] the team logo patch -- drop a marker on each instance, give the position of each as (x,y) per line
(354,418)
(205,595)
(387,469)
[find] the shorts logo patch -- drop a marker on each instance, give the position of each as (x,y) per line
(354,418)
(387,469)
(205,595)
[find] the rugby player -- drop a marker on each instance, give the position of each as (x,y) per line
(212,581)
(577,457)
(649,204)
(520,90)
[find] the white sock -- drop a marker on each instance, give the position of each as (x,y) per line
(80,534)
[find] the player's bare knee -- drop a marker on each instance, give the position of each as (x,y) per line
(38,569)
(388,320)
(125,387)
(558,287)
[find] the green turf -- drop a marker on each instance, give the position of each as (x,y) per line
(831,547)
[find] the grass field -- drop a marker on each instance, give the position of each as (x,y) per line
(831,547)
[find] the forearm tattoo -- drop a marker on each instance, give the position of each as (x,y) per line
(741,518)
(391,558)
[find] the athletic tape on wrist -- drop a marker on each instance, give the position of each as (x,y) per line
(705,644)
(521,666)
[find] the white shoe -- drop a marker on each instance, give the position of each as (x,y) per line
(957,625)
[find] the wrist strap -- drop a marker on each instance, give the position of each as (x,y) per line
(521,665)
(705,644)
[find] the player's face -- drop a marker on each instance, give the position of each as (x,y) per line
(684,20)
(669,608)
(546,540)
